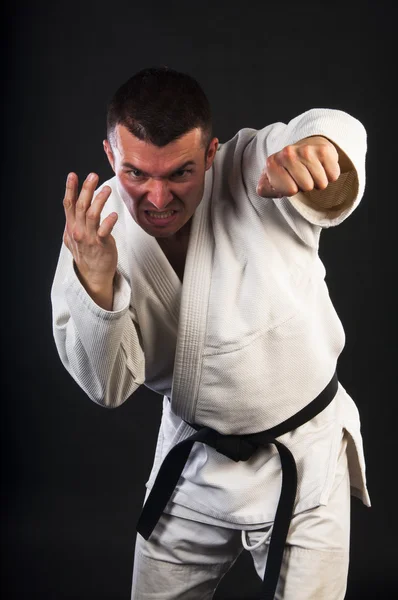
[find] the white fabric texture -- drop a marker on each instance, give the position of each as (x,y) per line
(248,339)
(186,560)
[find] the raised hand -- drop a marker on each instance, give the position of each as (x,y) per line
(90,241)
(311,163)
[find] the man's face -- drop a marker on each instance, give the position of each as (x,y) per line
(161,187)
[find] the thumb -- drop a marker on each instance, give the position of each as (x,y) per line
(65,238)
(264,187)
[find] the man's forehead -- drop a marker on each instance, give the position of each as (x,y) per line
(126,143)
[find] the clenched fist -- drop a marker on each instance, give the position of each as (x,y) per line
(90,241)
(311,163)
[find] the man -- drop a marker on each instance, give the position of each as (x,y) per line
(195,271)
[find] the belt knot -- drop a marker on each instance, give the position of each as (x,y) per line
(235,447)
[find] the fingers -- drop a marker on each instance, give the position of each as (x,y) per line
(321,161)
(69,202)
(307,177)
(281,177)
(276,181)
(93,214)
(299,167)
(70,196)
(84,201)
(332,170)
(70,190)
(83,213)
(265,188)
(105,229)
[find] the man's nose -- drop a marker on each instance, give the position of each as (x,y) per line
(159,193)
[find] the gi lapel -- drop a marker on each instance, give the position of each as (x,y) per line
(193,310)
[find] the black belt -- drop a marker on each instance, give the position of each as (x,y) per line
(240,447)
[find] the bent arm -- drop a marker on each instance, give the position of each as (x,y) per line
(99,348)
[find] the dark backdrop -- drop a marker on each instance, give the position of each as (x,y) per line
(74,473)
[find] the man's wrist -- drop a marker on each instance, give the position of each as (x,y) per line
(100,292)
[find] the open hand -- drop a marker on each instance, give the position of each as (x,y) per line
(311,163)
(90,241)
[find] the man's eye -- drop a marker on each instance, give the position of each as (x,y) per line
(181,173)
(136,173)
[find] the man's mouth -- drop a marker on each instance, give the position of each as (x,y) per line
(160,215)
(160,218)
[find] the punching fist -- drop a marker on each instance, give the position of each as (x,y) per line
(92,246)
(311,163)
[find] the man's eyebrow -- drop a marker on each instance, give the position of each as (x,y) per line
(188,163)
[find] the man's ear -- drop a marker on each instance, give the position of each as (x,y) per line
(109,153)
(211,153)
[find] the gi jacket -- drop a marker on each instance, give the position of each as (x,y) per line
(251,336)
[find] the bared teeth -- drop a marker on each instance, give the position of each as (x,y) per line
(163,215)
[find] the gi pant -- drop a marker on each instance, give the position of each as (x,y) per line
(186,560)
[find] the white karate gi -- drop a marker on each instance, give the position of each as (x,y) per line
(249,339)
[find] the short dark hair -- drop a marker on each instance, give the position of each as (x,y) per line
(159,105)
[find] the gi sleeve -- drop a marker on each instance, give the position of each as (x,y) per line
(100,349)
(321,208)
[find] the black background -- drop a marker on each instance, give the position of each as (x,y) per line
(73,474)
